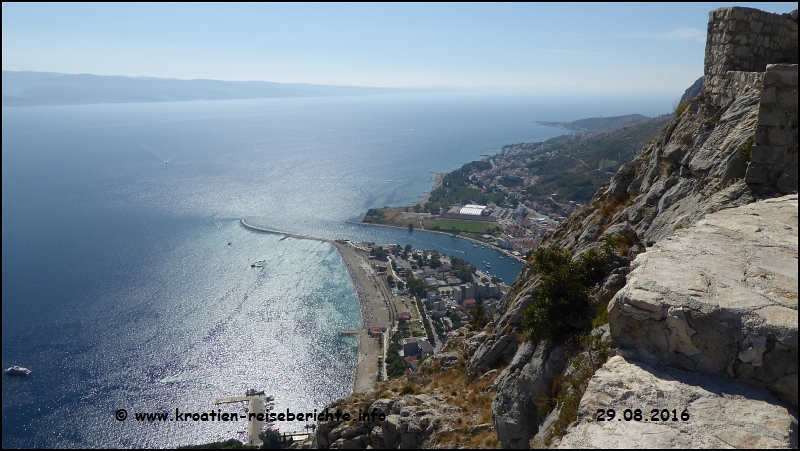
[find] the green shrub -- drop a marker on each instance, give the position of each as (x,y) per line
(591,268)
(562,295)
(746,149)
(602,316)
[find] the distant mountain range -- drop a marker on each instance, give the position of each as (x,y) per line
(25,88)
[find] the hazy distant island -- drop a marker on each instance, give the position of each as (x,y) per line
(26,88)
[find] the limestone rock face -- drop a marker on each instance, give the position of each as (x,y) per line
(722,414)
(445,360)
(519,387)
(719,298)
(691,169)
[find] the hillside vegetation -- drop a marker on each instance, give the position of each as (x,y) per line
(576,166)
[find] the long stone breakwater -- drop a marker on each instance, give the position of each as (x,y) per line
(278,232)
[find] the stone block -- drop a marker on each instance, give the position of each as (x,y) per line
(768,95)
(721,414)
(782,136)
(683,289)
(787,182)
(773,118)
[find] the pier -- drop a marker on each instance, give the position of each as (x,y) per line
(256,403)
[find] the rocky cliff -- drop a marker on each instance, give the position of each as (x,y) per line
(706,324)
(733,144)
(700,237)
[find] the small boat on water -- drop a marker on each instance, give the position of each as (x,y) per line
(17,371)
(488,265)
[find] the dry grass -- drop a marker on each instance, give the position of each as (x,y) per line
(468,393)
(621,244)
(665,169)
(614,205)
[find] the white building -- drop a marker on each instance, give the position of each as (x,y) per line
(471,209)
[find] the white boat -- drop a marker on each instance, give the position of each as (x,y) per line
(17,371)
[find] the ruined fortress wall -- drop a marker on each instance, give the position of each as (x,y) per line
(740,44)
(773,160)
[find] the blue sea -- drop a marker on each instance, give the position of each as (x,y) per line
(126,276)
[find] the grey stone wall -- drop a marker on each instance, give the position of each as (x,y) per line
(773,160)
(742,40)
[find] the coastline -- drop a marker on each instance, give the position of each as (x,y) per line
(438,177)
(373,302)
(376,311)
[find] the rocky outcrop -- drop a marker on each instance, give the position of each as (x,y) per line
(716,413)
(691,92)
(719,298)
(519,388)
(408,422)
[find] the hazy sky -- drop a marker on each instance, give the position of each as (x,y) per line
(647,48)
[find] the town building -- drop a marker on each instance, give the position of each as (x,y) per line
(425,348)
(410,347)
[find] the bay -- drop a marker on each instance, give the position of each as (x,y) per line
(127,278)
